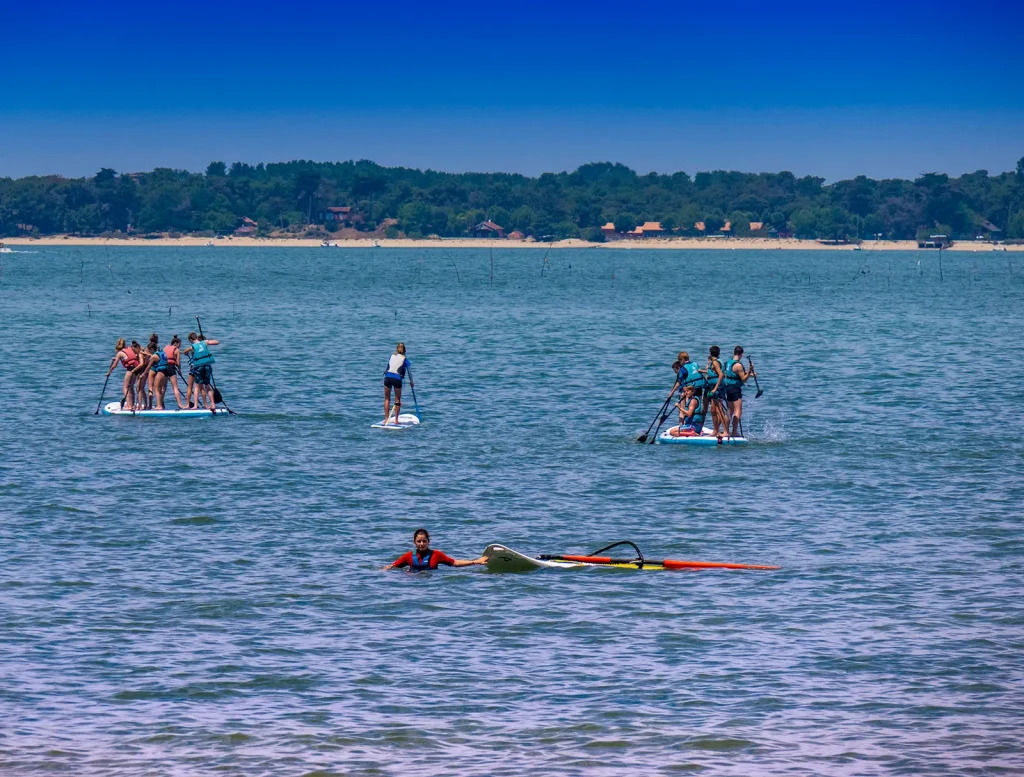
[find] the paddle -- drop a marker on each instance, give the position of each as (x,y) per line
(408,368)
(643,437)
(760,391)
(104,391)
(217,397)
(665,414)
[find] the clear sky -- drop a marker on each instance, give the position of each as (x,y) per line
(829,88)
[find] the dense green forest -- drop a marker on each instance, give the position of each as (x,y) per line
(289,198)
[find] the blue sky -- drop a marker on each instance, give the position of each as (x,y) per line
(834,89)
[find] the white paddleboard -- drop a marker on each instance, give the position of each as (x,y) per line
(405,421)
(502,559)
(114,408)
(706,438)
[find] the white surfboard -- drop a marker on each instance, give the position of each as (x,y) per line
(114,408)
(502,559)
(706,438)
(405,421)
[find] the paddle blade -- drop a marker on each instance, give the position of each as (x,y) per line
(216,395)
(641,439)
(759,393)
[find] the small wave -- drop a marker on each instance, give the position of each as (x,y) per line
(195,520)
(721,745)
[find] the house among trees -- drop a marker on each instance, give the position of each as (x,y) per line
(651,229)
(248,227)
(516,235)
(488,229)
(757,229)
(337,214)
(609,231)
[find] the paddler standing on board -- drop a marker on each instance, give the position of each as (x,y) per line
(200,371)
(423,558)
(735,376)
(130,359)
(715,394)
(398,365)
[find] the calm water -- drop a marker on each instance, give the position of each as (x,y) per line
(196,597)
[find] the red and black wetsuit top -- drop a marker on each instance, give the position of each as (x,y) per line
(416,562)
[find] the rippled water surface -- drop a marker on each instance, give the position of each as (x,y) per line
(205,596)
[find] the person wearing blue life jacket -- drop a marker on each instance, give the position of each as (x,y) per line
(167,373)
(691,417)
(157,371)
(200,371)
(735,376)
(398,366)
(715,393)
(690,379)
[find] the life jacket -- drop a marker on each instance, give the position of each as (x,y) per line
(396,367)
(712,375)
(131,361)
(201,355)
(162,363)
(170,358)
(731,378)
(690,374)
(419,564)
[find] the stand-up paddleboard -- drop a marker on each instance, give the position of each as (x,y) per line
(668,437)
(405,421)
(114,408)
(504,559)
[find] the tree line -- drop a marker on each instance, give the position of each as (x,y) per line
(289,197)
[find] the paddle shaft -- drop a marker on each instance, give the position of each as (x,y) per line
(756,384)
(412,387)
(643,437)
(104,391)
(668,563)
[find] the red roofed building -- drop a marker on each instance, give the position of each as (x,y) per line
(488,229)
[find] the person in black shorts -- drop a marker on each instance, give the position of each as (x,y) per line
(735,376)
(715,393)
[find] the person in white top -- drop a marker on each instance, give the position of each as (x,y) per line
(398,364)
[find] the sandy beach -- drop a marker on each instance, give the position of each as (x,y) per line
(729,244)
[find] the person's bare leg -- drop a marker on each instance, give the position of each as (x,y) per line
(128,393)
(736,411)
(398,402)
(387,403)
(159,387)
(177,394)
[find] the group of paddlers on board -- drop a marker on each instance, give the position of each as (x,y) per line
(713,392)
(149,369)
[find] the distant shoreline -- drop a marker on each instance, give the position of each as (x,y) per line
(682,243)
